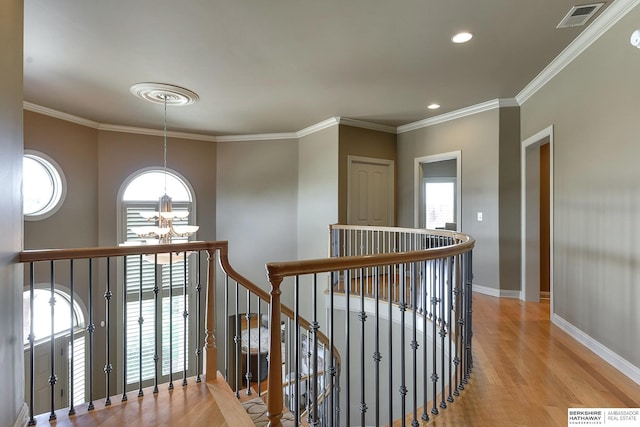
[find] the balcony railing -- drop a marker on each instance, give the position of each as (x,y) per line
(398,309)
(388,332)
(178,333)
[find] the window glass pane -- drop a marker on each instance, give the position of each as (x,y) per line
(440,203)
(42,186)
(62,320)
(150,186)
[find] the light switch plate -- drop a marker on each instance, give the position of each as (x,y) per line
(479,216)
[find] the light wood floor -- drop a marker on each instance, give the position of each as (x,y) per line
(528,372)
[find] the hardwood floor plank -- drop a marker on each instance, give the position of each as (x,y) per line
(528,372)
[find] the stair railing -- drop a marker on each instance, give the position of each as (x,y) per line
(417,281)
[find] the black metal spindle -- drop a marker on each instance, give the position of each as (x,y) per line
(391,283)
(335,278)
(347,342)
(72,409)
(90,331)
(449,326)
(227,356)
(403,309)
(107,367)
(124,335)
(296,349)
(260,349)
(443,332)
(198,350)
(52,343)
(315,326)
(363,319)
(170,320)
(469,321)
(376,354)
(414,341)
(157,330)
(434,323)
(248,320)
(237,341)
(32,355)
(185,319)
(140,323)
(425,352)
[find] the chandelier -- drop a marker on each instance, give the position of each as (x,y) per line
(164,229)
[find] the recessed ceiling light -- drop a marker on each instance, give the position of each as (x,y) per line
(433,106)
(462,37)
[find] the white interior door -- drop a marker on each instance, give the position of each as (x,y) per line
(42,372)
(370,193)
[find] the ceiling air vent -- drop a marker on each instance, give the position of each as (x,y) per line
(579,15)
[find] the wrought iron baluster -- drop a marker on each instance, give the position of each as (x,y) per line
(227,356)
(414,342)
(295,377)
(32,355)
(140,323)
(260,344)
(376,354)
(247,317)
(391,283)
(170,320)
(157,330)
(185,318)
(314,332)
(425,270)
(450,285)
(403,308)
(90,330)
(347,288)
(53,379)
(107,367)
(124,327)
(72,409)
(237,339)
(198,350)
(434,323)
(363,319)
(443,331)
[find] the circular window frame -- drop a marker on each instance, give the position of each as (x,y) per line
(59,186)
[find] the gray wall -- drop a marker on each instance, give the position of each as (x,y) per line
(477,137)
(593,105)
(257,196)
(11,352)
(317,203)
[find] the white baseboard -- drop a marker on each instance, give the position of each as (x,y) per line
(498,293)
(609,356)
(23,417)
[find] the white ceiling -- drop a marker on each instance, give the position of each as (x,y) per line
(282,65)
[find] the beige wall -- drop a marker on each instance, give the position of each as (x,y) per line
(11,135)
(477,137)
(257,192)
(593,107)
(355,141)
(317,202)
(509,198)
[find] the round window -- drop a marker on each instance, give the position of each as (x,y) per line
(43,186)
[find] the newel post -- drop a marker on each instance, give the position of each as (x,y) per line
(210,349)
(275,397)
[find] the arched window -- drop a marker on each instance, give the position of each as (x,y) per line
(44,186)
(66,332)
(141,193)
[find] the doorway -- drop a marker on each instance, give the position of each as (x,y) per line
(370,192)
(437,199)
(537,217)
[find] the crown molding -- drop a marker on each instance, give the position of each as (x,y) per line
(60,115)
(156,132)
(366,125)
(325,124)
(257,137)
(609,17)
(457,114)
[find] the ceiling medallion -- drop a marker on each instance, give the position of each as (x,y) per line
(159,93)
